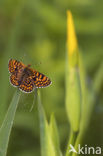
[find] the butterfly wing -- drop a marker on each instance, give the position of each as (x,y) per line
(15,68)
(26,78)
(40,80)
(14,79)
(27,85)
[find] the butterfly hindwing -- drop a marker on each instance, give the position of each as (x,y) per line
(15,68)
(14,79)
(27,85)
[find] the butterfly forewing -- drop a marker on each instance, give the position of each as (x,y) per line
(15,66)
(40,80)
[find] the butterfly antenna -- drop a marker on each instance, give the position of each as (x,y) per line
(34,100)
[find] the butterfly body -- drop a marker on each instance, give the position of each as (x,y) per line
(25,78)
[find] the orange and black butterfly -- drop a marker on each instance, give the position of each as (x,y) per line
(25,78)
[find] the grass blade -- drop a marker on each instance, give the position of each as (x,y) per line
(43,124)
(8,123)
(47,146)
(54,135)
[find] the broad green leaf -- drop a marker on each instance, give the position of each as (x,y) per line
(73,98)
(88,101)
(73,88)
(7,124)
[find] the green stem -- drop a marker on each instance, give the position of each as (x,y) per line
(72,140)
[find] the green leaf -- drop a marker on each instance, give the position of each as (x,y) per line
(54,135)
(73,87)
(73,97)
(7,124)
(47,146)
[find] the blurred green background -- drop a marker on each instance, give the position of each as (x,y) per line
(34,32)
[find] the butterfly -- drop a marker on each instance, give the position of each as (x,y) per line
(26,78)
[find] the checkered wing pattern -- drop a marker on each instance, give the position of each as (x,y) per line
(27,85)
(40,80)
(15,68)
(14,79)
(25,78)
